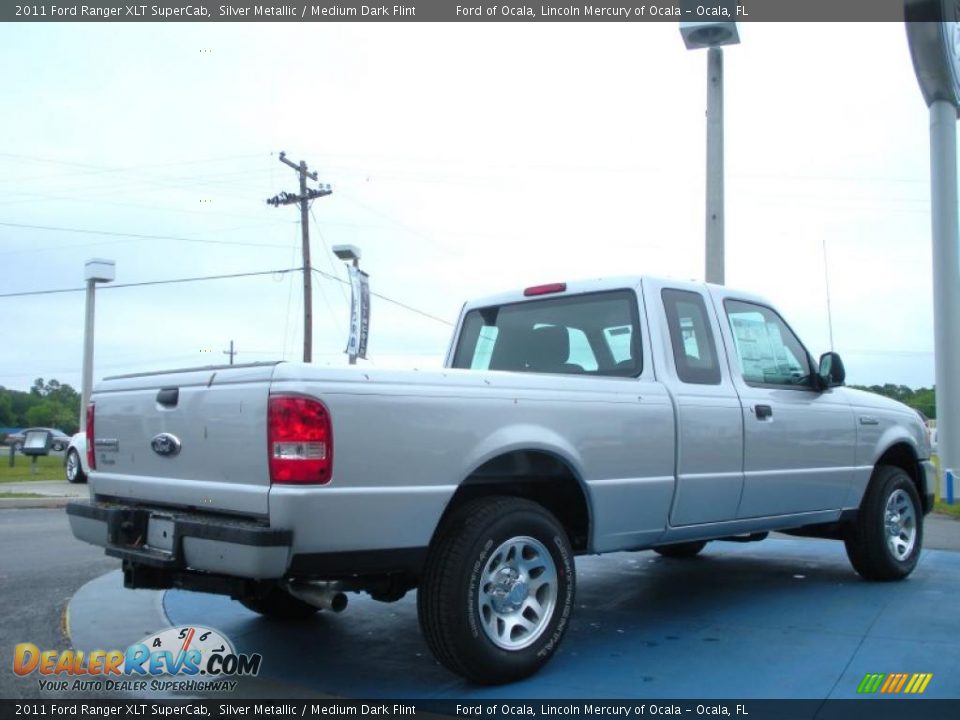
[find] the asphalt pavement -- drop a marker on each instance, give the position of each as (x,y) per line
(42,567)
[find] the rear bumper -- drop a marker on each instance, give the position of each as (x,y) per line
(175,541)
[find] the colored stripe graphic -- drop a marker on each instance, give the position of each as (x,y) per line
(893,683)
(871,683)
(914,683)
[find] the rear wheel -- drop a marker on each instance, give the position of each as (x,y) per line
(278,604)
(74,469)
(497,591)
(681,550)
(885,540)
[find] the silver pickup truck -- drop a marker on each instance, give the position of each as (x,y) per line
(570,419)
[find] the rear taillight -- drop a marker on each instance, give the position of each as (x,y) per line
(91,450)
(299,441)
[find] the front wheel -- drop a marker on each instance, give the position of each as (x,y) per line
(75,472)
(497,591)
(884,542)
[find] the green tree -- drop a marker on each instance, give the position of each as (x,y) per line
(6,409)
(923,399)
(46,404)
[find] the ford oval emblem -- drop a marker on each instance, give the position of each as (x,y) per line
(165,444)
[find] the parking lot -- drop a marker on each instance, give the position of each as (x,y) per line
(784,618)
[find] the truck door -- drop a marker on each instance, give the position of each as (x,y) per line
(798,442)
(709,452)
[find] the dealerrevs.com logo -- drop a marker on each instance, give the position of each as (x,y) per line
(176,659)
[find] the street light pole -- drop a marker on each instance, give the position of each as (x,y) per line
(95,270)
(359,309)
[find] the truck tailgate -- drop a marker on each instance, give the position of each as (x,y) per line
(188,439)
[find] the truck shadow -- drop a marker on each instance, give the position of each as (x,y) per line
(642,624)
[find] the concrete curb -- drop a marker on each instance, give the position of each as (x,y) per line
(37,502)
(48,494)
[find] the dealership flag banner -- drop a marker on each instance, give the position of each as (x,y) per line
(359,312)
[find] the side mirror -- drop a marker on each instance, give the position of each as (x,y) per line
(832,372)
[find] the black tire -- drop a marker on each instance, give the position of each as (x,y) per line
(18,447)
(874,551)
(681,550)
(277,604)
(57,447)
(520,543)
(73,468)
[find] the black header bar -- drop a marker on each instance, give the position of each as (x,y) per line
(458,11)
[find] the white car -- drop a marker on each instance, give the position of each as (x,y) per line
(75,463)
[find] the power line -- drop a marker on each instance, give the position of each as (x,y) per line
(328,254)
(136,236)
(114,286)
(100,169)
(384,297)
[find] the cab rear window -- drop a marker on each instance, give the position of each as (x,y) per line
(593,334)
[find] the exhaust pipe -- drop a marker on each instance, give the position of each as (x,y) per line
(325,596)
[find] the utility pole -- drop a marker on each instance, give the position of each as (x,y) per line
(305,196)
(231,352)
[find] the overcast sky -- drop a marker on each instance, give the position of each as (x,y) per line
(465,159)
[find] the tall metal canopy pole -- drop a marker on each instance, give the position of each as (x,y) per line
(713,35)
(934,36)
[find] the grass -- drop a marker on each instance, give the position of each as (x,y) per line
(942,507)
(49,467)
(11,495)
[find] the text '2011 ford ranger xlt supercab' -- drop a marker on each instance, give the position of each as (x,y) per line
(570,419)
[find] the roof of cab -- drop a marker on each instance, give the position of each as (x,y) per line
(577,287)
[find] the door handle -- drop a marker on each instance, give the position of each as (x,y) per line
(763,412)
(168,397)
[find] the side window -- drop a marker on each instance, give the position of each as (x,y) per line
(594,333)
(694,350)
(768,351)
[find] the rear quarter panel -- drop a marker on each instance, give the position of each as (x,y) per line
(403,441)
